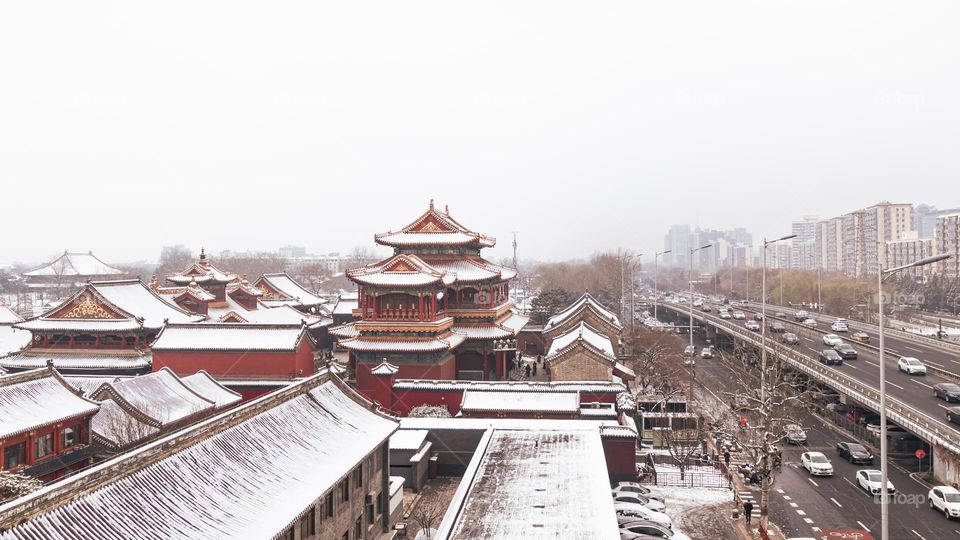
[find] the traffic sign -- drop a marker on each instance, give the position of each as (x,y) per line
(920,453)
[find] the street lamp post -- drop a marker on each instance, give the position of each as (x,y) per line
(763,368)
(656,256)
(884,498)
(693,369)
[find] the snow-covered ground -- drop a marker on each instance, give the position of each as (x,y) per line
(698,512)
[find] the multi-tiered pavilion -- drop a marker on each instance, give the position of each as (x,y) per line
(434,310)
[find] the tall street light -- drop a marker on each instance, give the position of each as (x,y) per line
(884,498)
(693,368)
(765,487)
(656,256)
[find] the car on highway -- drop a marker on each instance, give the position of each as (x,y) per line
(854,453)
(846,351)
(871,481)
(800,315)
(860,336)
(636,498)
(830,357)
(911,366)
(953,415)
(758,316)
(752,325)
(738,315)
(706,352)
(724,314)
(945,499)
(706,308)
(812,323)
(790,338)
(778,328)
(946,391)
(794,434)
(839,327)
(891,428)
(816,464)
(642,529)
(639,511)
(780,315)
(689,350)
(832,340)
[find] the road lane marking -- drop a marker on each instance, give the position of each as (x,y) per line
(786,498)
(812,482)
(863,526)
(815,529)
(794,505)
(836,503)
(941,366)
(858,488)
(918,382)
(801,512)
(808,520)
(942,405)
(918,534)
(872,364)
(913,349)
(780,491)
(897,385)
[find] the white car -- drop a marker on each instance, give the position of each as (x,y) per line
(645,530)
(839,327)
(636,498)
(724,314)
(911,366)
(633,487)
(642,512)
(832,340)
(707,352)
(816,464)
(945,499)
(752,325)
(812,323)
(738,315)
(869,480)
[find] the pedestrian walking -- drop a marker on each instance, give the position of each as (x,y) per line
(747,510)
(534,370)
(726,458)
(528,370)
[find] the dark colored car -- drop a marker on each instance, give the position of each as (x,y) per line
(854,453)
(953,415)
(758,317)
(860,336)
(830,357)
(846,351)
(790,338)
(706,308)
(778,328)
(947,391)
(780,315)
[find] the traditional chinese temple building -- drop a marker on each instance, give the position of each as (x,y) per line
(280,289)
(585,310)
(68,272)
(204,274)
(105,328)
(435,309)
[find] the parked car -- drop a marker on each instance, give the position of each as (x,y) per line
(642,529)
(752,325)
(846,351)
(634,487)
(778,328)
(831,340)
(911,366)
(953,415)
(707,352)
(800,315)
(739,315)
(636,498)
(871,481)
(830,357)
(790,338)
(794,434)
(839,327)
(816,464)
(854,453)
(945,499)
(946,391)
(812,323)
(689,350)
(891,428)
(860,336)
(639,511)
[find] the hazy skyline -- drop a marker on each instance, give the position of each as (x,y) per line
(585,127)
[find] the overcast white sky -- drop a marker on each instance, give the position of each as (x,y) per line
(584,126)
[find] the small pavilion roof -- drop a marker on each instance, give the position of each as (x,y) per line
(159,398)
(8,315)
(583,333)
(584,302)
(385,368)
(434,228)
(400,271)
(280,284)
(202,271)
(38,398)
(75,264)
(403,344)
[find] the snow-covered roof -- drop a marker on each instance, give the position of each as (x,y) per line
(586,334)
(510,386)
(385,368)
(38,398)
(434,228)
(80,360)
(506,327)
(249,472)
(408,439)
(400,271)
(584,302)
(75,264)
(229,337)
(111,306)
(202,272)
(281,314)
(534,484)
(202,383)
(116,427)
(473,269)
(13,340)
(8,315)
(348,330)
(461,423)
(401,344)
(89,384)
(345,306)
(493,401)
(160,397)
(288,288)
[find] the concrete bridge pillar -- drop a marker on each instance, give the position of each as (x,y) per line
(946,465)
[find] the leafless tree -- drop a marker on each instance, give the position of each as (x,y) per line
(427,510)
(429,411)
(14,485)
(684,443)
(311,275)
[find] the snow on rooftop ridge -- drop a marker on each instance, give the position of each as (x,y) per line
(159,398)
(202,383)
(586,333)
(491,401)
(586,301)
(230,337)
(74,264)
(38,398)
(408,439)
(510,386)
(385,369)
(286,285)
(267,448)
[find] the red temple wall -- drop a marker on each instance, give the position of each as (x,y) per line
(239,363)
(620,454)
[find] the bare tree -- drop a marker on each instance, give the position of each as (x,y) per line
(311,275)
(684,443)
(427,510)
(429,411)
(14,485)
